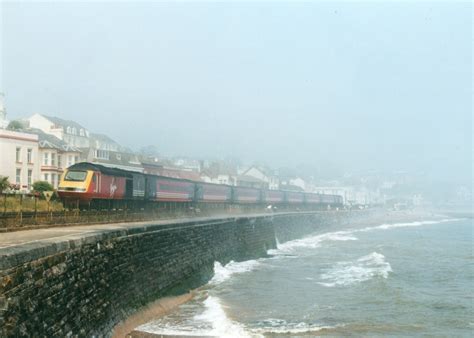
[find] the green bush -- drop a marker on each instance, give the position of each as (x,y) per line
(40,186)
(4,184)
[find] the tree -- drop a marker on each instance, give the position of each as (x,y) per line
(15,125)
(4,184)
(40,186)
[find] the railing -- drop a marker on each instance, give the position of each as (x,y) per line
(22,212)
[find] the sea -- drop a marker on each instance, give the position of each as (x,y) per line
(396,279)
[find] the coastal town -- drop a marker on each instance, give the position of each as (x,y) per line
(40,147)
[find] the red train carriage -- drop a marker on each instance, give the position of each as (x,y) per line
(328,199)
(213,193)
(294,197)
(246,195)
(312,198)
(273,196)
(165,189)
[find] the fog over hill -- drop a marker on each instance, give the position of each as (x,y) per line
(338,87)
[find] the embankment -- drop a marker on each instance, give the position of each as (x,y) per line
(85,284)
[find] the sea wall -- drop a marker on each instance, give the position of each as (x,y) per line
(84,286)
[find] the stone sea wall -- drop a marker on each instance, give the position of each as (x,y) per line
(85,286)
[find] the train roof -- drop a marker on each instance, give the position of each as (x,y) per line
(101,168)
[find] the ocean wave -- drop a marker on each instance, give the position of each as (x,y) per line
(361,270)
(406,224)
(223,273)
(311,242)
(315,241)
(222,326)
(281,326)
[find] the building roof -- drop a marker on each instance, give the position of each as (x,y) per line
(51,142)
(102,137)
(63,123)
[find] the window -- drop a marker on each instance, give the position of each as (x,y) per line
(74,175)
(102,154)
(76,159)
(29,155)
(68,130)
(46,177)
(60,164)
(18,154)
(18,176)
(74,131)
(53,180)
(69,160)
(46,159)
(81,132)
(53,159)
(30,174)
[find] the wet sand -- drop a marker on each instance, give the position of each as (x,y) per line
(154,310)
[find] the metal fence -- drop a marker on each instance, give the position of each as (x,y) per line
(20,212)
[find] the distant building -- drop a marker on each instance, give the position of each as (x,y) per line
(19,160)
(68,131)
(251,182)
(114,159)
(270,180)
(91,147)
(55,156)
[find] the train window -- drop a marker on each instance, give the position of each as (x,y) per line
(78,176)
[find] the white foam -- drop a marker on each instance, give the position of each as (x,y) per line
(347,235)
(363,269)
(223,273)
(311,242)
(222,326)
(280,326)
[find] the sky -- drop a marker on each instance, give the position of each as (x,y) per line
(354,86)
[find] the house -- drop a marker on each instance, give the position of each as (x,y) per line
(55,156)
(92,147)
(19,160)
(251,182)
(227,179)
(271,181)
(114,159)
(68,131)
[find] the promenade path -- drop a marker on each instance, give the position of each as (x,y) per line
(74,232)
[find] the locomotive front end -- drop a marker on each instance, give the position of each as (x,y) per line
(75,184)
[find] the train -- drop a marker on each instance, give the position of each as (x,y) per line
(91,184)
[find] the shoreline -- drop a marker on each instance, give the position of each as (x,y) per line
(164,306)
(154,310)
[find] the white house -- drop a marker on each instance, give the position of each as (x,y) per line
(271,181)
(68,131)
(19,159)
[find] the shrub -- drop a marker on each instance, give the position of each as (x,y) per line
(40,186)
(4,184)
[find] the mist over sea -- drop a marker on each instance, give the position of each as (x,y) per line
(402,279)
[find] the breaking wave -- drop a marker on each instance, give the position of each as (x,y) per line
(311,242)
(280,326)
(363,269)
(222,326)
(223,273)
(403,225)
(346,235)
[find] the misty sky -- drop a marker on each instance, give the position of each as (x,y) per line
(356,86)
